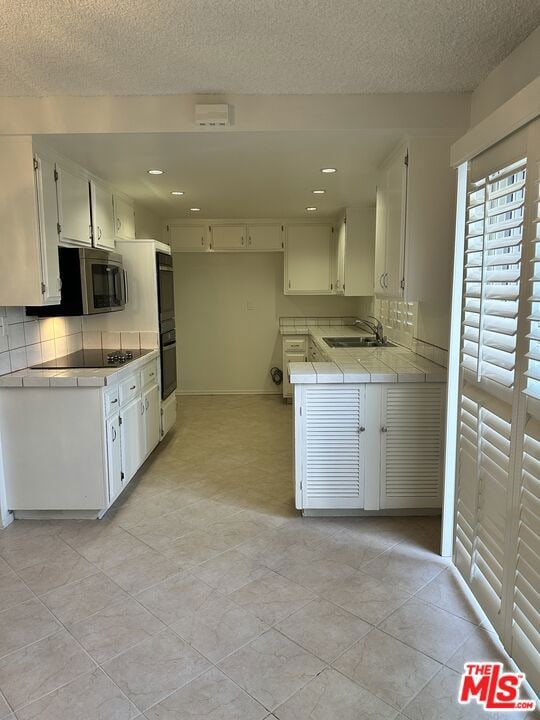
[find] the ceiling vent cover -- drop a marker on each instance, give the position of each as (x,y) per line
(215,115)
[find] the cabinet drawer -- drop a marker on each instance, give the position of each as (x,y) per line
(111,400)
(129,388)
(294,344)
(149,373)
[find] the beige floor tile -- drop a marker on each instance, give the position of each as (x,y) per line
(230,571)
(13,591)
(106,546)
(331,696)
(21,551)
(195,548)
(176,597)
(481,645)
(324,629)
(211,696)
(369,597)
(427,628)
(36,670)
(55,572)
(406,566)
(272,597)
(356,549)
(92,697)
(81,599)
(24,624)
(218,627)
(449,592)
(440,699)
(155,668)
(319,574)
(392,671)
(271,668)
(160,532)
(115,629)
(5,709)
(140,571)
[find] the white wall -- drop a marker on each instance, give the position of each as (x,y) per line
(147,224)
(521,67)
(223,346)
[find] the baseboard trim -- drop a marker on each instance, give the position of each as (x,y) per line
(228,392)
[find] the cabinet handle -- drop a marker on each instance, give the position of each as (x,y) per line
(113,435)
(114,401)
(133,387)
(99,233)
(289,284)
(386,280)
(142,408)
(381,281)
(384,429)
(361,429)
(202,240)
(147,403)
(242,240)
(151,374)
(249,240)
(118,223)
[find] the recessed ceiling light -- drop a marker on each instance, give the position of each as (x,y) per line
(155,172)
(319,192)
(311,209)
(328,170)
(195,209)
(177,192)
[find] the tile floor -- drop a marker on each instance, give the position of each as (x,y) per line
(203,594)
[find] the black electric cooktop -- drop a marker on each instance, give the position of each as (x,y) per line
(92,359)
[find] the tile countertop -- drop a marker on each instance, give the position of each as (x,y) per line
(362,365)
(75,377)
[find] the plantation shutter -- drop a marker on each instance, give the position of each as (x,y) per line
(491,297)
(525,622)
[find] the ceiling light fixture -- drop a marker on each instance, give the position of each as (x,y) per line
(311,209)
(177,192)
(328,170)
(319,192)
(195,209)
(155,172)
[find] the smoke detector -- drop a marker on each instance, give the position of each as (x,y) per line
(215,115)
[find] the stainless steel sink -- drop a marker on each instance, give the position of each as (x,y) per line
(355,342)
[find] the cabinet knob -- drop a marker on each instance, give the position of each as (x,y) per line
(361,429)
(384,429)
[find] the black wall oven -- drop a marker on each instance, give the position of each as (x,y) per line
(167,326)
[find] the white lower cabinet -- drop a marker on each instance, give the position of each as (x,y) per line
(369,446)
(295,349)
(152,407)
(131,438)
(114,457)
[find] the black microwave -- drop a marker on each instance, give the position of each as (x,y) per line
(92,281)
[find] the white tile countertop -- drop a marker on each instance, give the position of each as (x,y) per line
(75,377)
(362,365)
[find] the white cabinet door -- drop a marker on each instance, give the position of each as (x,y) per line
(114,457)
(73,194)
(412,445)
(48,230)
(228,237)
(308,260)
(151,402)
(333,446)
(340,259)
(131,433)
(265,238)
(290,357)
(124,219)
(380,242)
(188,238)
(102,216)
(396,195)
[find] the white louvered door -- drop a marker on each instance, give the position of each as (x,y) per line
(412,441)
(333,443)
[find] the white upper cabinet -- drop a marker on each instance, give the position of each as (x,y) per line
(73,196)
(308,260)
(265,238)
(390,226)
(48,231)
(415,220)
(124,219)
(354,251)
(228,237)
(102,216)
(188,238)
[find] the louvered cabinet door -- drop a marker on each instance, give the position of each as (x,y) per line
(412,445)
(333,456)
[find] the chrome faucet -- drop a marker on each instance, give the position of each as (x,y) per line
(376,328)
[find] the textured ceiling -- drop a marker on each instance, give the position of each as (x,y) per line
(155,47)
(262,174)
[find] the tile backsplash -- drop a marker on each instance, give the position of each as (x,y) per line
(26,341)
(129,340)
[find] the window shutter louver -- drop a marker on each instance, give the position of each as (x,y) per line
(533,371)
